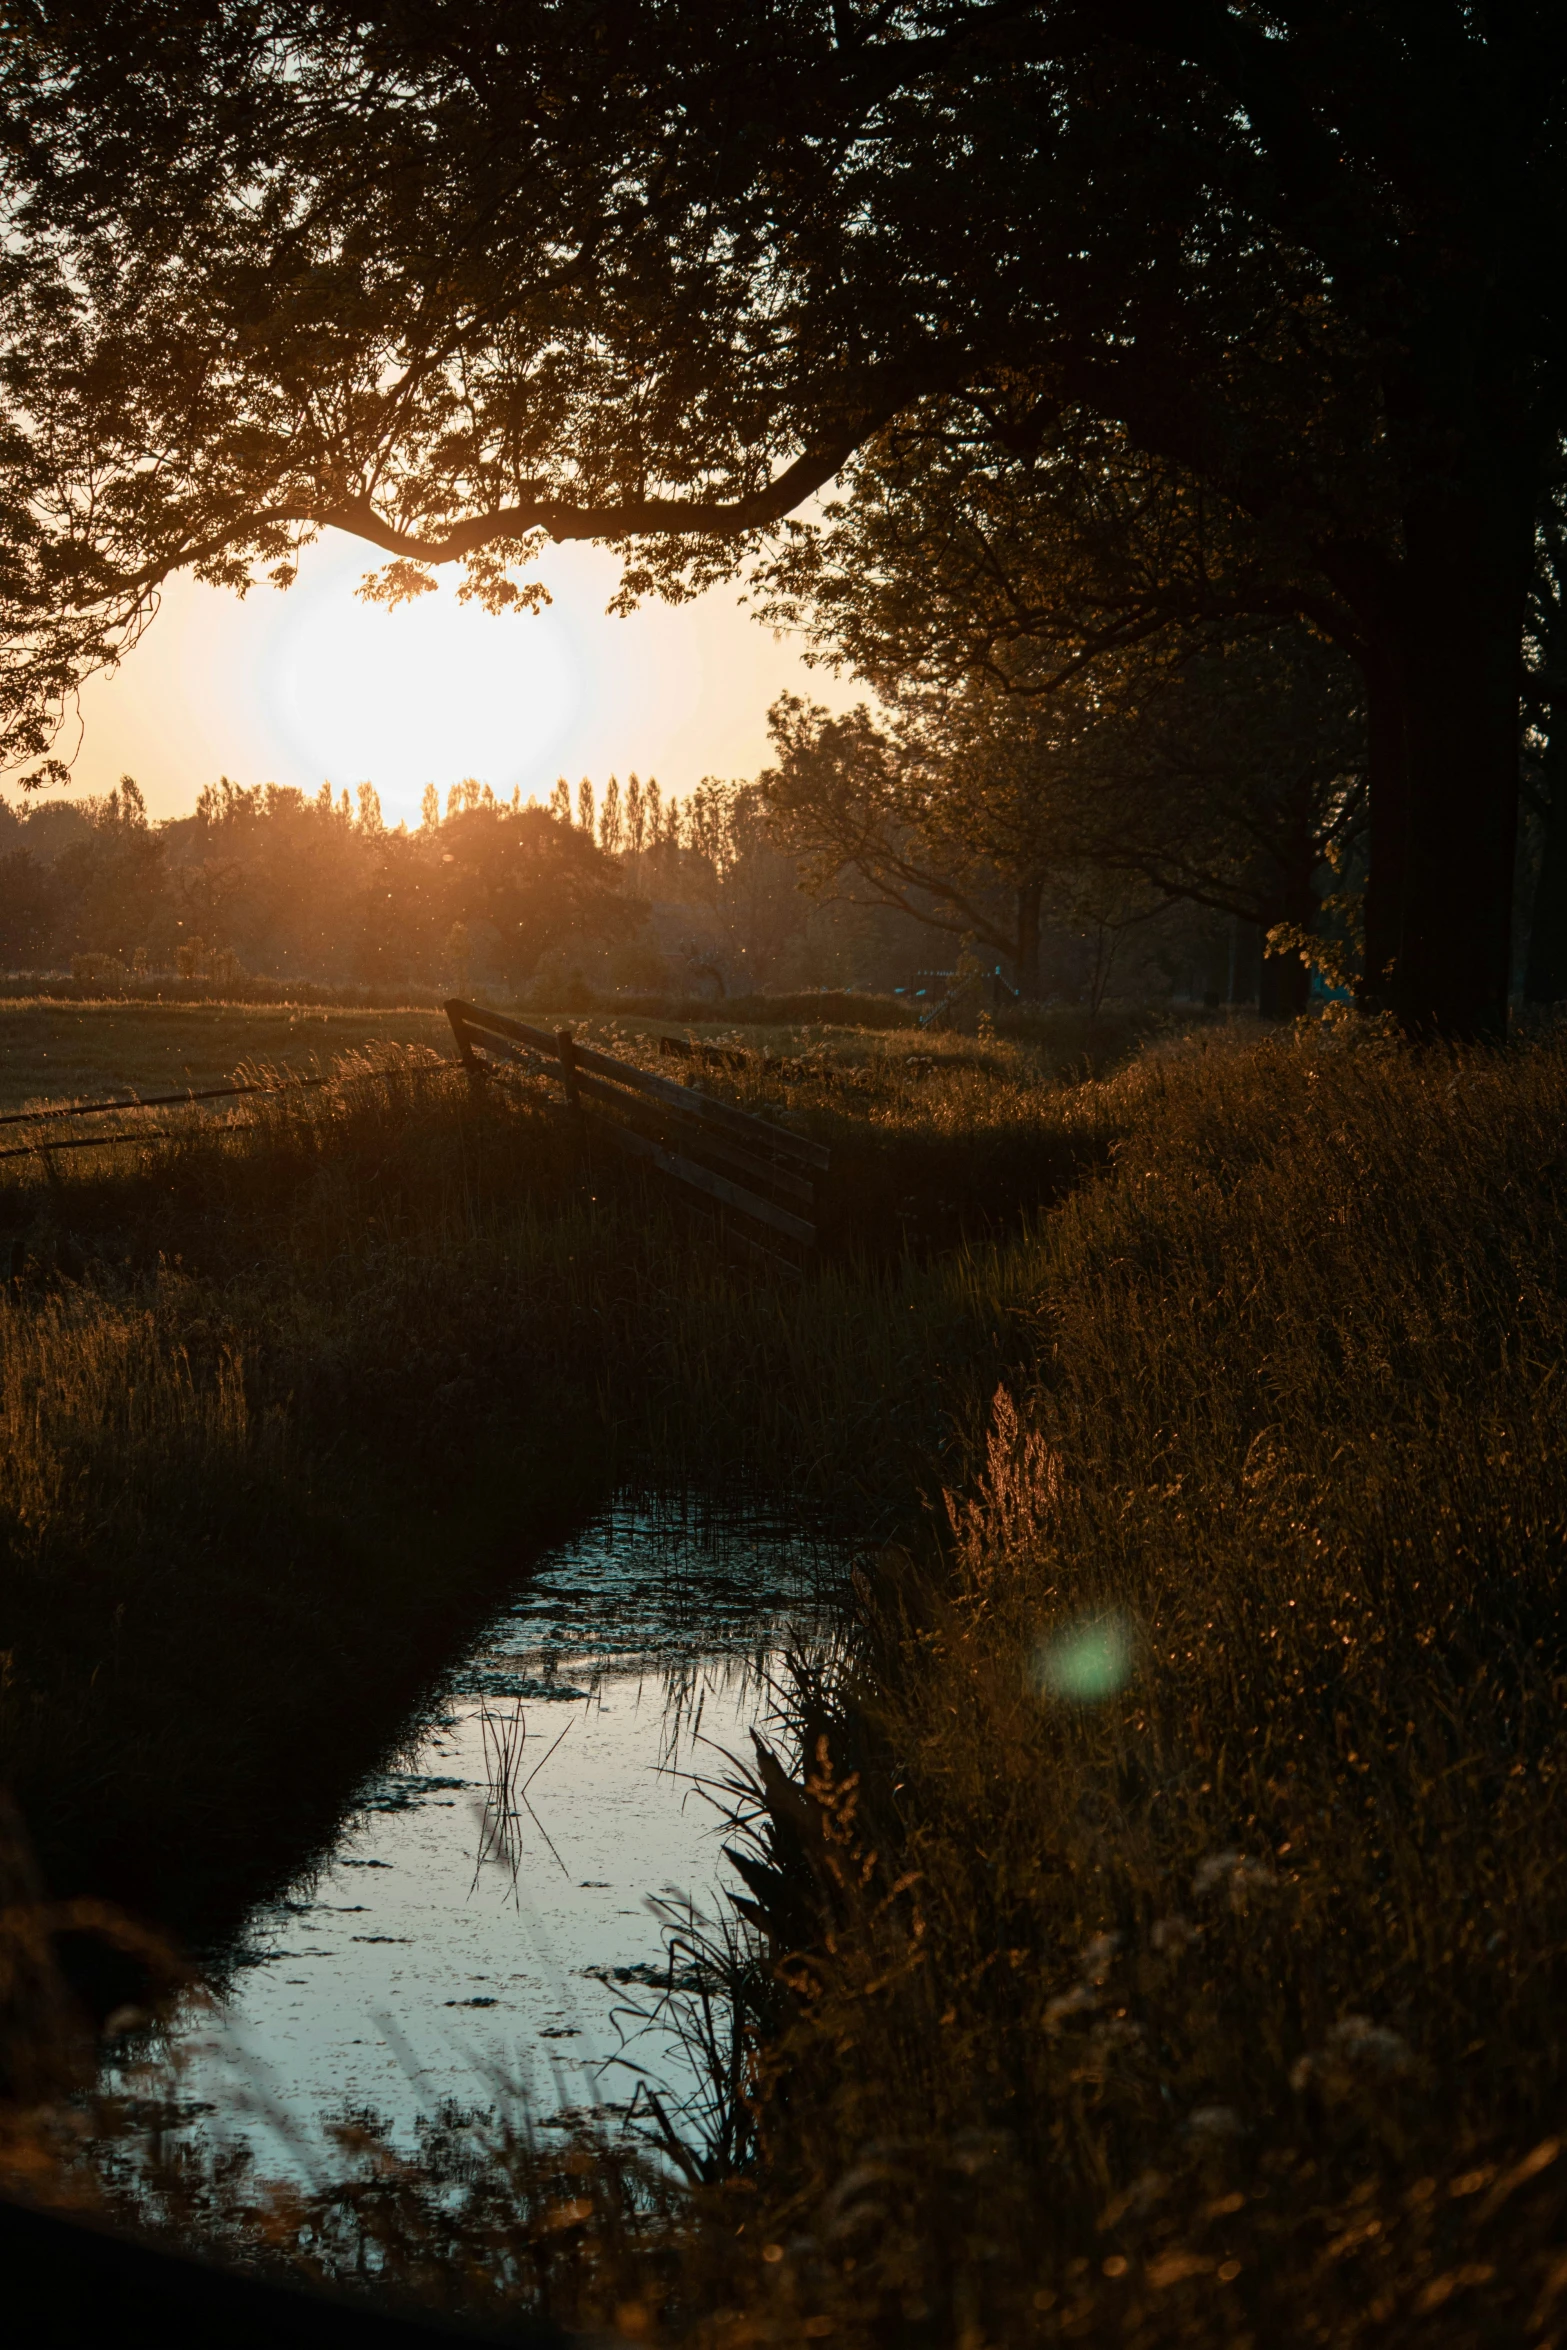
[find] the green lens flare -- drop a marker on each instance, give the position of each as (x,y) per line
(1086,1662)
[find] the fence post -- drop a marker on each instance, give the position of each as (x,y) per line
(565,1045)
(465,1052)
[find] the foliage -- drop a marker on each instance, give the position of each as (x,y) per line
(1223,774)
(274,270)
(628,896)
(277,880)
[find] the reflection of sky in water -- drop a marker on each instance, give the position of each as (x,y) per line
(405,1971)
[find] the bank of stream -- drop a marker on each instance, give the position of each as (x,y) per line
(484,1925)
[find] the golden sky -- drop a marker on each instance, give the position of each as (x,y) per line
(316,685)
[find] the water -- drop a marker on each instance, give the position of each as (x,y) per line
(481,1925)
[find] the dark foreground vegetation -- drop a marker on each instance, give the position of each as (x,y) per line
(290,1397)
(1157,1933)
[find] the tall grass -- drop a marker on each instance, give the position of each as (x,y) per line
(1188,1922)
(290,1397)
(1163,1936)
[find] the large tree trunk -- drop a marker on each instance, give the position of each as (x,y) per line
(1545,974)
(1459,634)
(1030,896)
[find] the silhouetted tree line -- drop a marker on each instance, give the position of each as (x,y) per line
(275,881)
(618,889)
(625,886)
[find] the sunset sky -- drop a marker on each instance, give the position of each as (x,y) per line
(315,684)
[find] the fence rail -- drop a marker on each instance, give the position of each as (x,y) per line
(744,1166)
(46,1148)
(763,1174)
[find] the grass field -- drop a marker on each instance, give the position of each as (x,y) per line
(58,1051)
(291,1395)
(79,1052)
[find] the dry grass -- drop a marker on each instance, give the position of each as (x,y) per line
(1166,1942)
(1188,1954)
(1165,1938)
(290,1398)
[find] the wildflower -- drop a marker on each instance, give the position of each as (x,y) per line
(1213,2125)
(1237,1872)
(1357,2054)
(975,2151)
(1117,2032)
(1215,1870)
(1078,2001)
(1173,2268)
(1098,1956)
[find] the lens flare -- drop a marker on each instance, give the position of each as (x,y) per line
(1085,1662)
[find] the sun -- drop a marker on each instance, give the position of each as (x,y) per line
(429,693)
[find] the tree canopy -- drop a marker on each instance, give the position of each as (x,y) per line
(654,273)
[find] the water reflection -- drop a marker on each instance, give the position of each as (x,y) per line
(484,1912)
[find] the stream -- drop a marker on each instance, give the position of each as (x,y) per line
(480,1930)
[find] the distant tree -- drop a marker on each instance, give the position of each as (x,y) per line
(532,882)
(611,822)
(403,907)
(730,862)
(30,907)
(868,821)
(1230,777)
(106,881)
(636,816)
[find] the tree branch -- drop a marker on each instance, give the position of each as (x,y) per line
(558,518)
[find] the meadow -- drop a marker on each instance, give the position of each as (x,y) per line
(1157,1924)
(51,1050)
(73,1047)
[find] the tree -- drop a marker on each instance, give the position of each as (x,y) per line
(29,909)
(654,273)
(111,874)
(1228,755)
(879,820)
(1232,775)
(533,881)
(1227,773)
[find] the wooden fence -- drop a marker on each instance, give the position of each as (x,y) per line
(744,1166)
